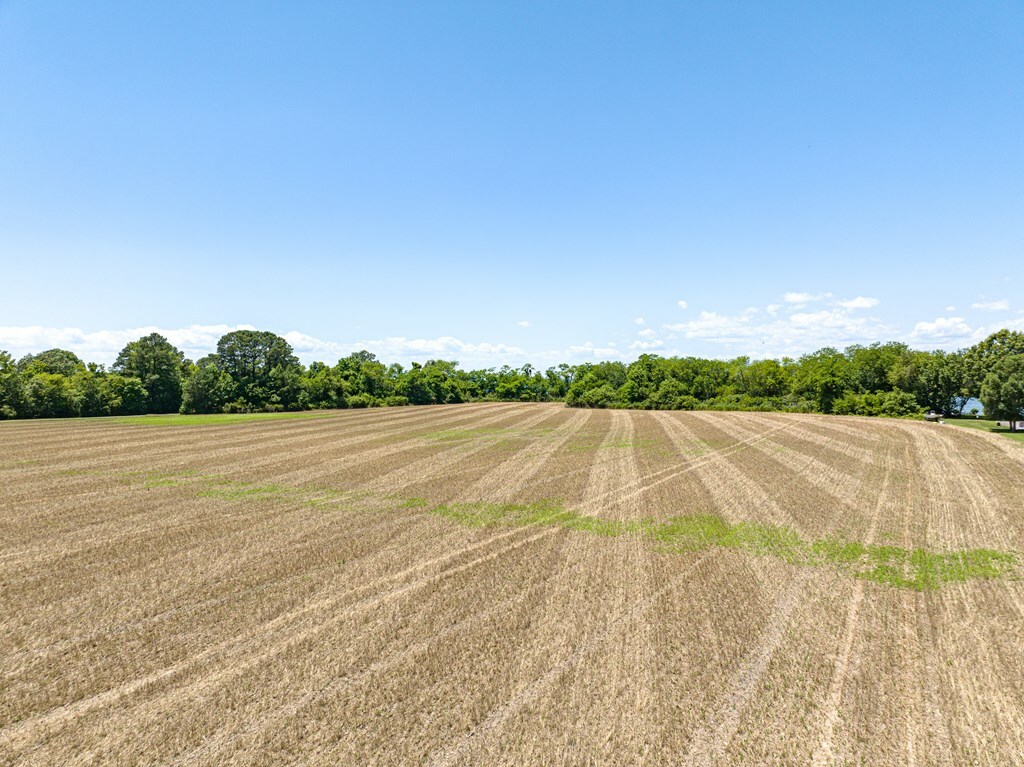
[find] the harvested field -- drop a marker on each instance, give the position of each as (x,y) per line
(509,584)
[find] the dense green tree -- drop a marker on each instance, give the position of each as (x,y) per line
(250,357)
(607,376)
(53,361)
(435,382)
(558,379)
(285,387)
(364,373)
(672,395)
(525,384)
(414,386)
(510,384)
(206,388)
(159,366)
(601,396)
(824,377)
(258,371)
(764,378)
(12,388)
(870,366)
(981,359)
(88,393)
(936,379)
(701,378)
(323,387)
(642,381)
(893,404)
(1002,392)
(50,395)
(124,395)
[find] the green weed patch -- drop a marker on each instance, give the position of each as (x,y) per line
(916,569)
(20,464)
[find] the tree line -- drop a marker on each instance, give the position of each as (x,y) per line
(257,371)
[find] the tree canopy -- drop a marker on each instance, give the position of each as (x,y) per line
(982,358)
(258,371)
(158,365)
(1002,392)
(54,361)
(262,369)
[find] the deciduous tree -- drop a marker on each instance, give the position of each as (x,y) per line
(1002,392)
(158,365)
(981,359)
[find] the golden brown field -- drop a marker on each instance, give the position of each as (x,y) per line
(511,584)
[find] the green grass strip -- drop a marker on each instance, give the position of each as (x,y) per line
(984,425)
(916,569)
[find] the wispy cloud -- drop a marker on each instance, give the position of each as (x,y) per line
(860,302)
(803,298)
(786,330)
(683,304)
(778,329)
(401,349)
(646,345)
(992,306)
(199,340)
(523,323)
(104,345)
(590,350)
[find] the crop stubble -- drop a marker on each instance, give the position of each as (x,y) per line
(503,584)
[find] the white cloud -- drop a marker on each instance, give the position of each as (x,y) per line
(950,308)
(955,333)
(523,323)
(992,306)
(103,345)
(860,302)
(788,329)
(588,350)
(683,305)
(639,321)
(800,298)
(401,349)
(945,331)
(783,331)
(199,340)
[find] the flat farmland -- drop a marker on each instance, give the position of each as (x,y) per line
(510,584)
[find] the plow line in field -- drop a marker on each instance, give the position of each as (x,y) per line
(918,569)
(15,735)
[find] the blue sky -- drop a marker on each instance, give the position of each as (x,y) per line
(508,182)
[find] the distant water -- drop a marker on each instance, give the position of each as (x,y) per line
(974,403)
